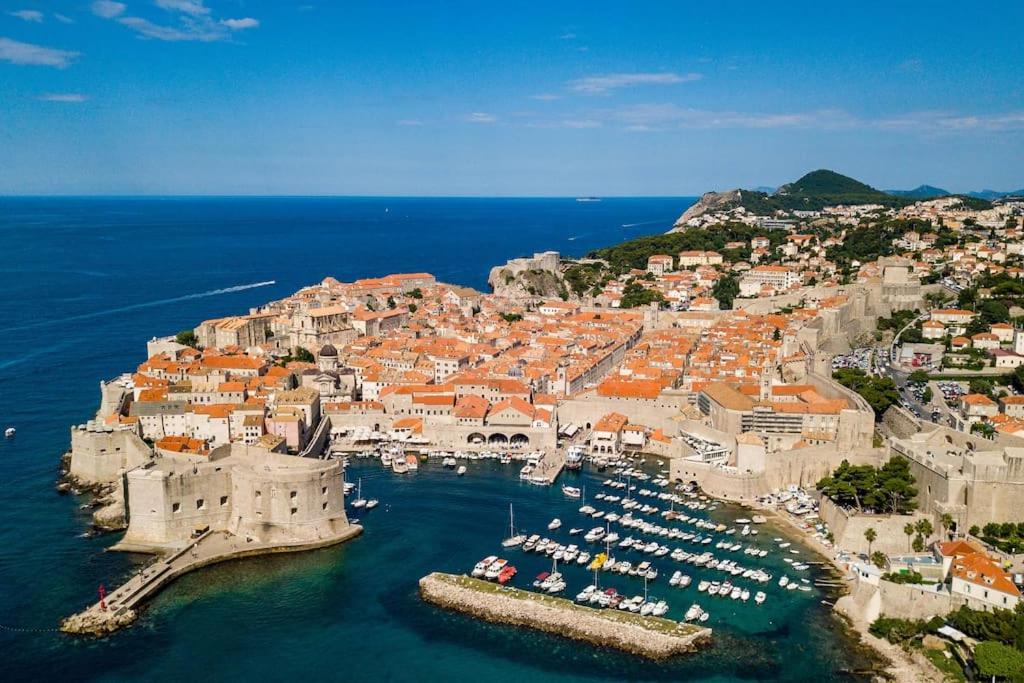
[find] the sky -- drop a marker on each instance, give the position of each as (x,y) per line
(505,99)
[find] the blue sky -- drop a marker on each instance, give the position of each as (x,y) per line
(476,98)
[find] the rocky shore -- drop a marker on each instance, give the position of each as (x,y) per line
(650,637)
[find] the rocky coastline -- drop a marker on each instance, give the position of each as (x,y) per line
(649,637)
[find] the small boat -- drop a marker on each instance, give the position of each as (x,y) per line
(571,491)
(759,597)
(461,471)
(554,524)
(513,539)
(495,568)
(449,462)
(506,574)
(372,503)
(481,567)
(9,432)
(575,531)
(359,502)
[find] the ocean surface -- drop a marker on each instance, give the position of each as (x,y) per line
(84,284)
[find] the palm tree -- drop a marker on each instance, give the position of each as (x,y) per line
(870,534)
(946,520)
(908,529)
(924,527)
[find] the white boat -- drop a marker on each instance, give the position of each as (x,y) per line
(359,502)
(495,568)
(481,567)
(759,597)
(449,462)
(372,503)
(9,432)
(554,524)
(571,491)
(461,471)
(693,613)
(513,539)
(783,581)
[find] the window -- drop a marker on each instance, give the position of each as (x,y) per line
(223,501)
(175,507)
(293,495)
(200,504)
(324,507)
(294,510)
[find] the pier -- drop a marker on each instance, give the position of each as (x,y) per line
(120,607)
(651,637)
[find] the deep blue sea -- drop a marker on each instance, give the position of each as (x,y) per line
(85,282)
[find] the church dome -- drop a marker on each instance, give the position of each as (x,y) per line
(328,350)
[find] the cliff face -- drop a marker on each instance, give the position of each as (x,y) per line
(528,277)
(709,201)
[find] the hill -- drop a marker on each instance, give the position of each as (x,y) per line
(989,195)
(812,192)
(921,192)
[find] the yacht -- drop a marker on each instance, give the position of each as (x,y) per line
(759,597)
(571,491)
(399,465)
(554,524)
(449,462)
(9,432)
(359,502)
(513,539)
(372,503)
(693,613)
(495,568)
(461,471)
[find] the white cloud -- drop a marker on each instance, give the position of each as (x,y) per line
(568,36)
(197,31)
(410,122)
(28,15)
(481,117)
(108,9)
(70,97)
(239,24)
(63,19)
(545,97)
(951,122)
(25,53)
(596,85)
(193,7)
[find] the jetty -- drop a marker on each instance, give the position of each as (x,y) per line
(120,607)
(651,637)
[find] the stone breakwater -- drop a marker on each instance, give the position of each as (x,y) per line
(651,637)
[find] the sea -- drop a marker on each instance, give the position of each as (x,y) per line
(85,282)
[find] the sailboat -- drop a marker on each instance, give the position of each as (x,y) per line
(359,501)
(513,539)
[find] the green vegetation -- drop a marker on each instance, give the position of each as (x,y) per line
(1008,537)
(511,317)
(634,294)
(586,277)
(999,661)
(1001,625)
(413,308)
(946,663)
(188,338)
(870,535)
(726,290)
(900,631)
(634,253)
(889,488)
(416,293)
(303,355)
(903,577)
(879,392)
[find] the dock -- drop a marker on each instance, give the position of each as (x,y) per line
(120,607)
(551,465)
(651,637)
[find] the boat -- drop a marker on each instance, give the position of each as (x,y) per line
(574,458)
(513,539)
(412,462)
(481,567)
(759,597)
(554,524)
(506,574)
(571,491)
(461,471)
(450,462)
(9,432)
(588,199)
(575,531)
(372,503)
(359,502)
(693,613)
(495,568)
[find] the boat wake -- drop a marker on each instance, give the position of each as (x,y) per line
(147,304)
(633,225)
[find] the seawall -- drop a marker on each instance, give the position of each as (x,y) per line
(651,637)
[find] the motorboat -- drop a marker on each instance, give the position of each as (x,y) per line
(461,471)
(481,567)
(554,524)
(759,597)
(372,503)
(506,574)
(10,432)
(495,568)
(571,491)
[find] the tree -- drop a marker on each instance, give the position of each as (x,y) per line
(946,520)
(908,529)
(511,317)
(918,377)
(416,293)
(726,290)
(998,660)
(870,534)
(879,392)
(927,395)
(413,308)
(187,338)
(635,294)
(879,559)
(974,530)
(303,355)
(391,302)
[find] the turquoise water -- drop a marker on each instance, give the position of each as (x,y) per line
(86,282)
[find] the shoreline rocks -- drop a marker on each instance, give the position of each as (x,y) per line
(650,637)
